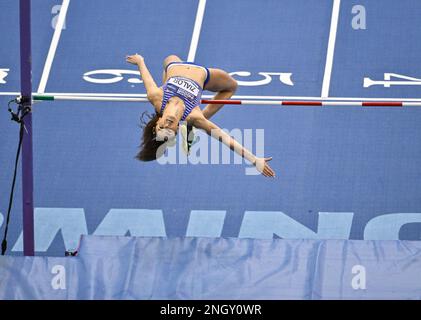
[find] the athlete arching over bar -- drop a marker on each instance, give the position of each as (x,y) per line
(179,100)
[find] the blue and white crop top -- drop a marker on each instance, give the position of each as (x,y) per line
(186,89)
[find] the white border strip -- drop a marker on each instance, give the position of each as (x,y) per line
(142,95)
(196,31)
(331,48)
(53,46)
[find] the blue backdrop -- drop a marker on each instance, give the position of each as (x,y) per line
(342,172)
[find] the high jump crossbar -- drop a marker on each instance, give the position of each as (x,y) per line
(46,97)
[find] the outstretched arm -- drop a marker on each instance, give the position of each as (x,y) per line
(214,131)
(153,93)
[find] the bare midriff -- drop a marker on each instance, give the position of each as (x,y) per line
(192,72)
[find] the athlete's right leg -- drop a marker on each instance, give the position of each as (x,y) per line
(225,86)
(167,61)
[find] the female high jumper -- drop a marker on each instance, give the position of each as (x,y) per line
(179,100)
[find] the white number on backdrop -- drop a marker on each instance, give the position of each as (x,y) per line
(107,76)
(111,76)
(3,75)
(285,78)
(387,82)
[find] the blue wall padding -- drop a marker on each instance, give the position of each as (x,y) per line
(109,267)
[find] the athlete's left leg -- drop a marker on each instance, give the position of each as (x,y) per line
(225,86)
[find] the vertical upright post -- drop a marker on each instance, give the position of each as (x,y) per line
(26,93)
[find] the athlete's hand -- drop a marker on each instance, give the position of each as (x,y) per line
(263,167)
(134,59)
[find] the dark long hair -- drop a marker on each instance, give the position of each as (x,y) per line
(149,145)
